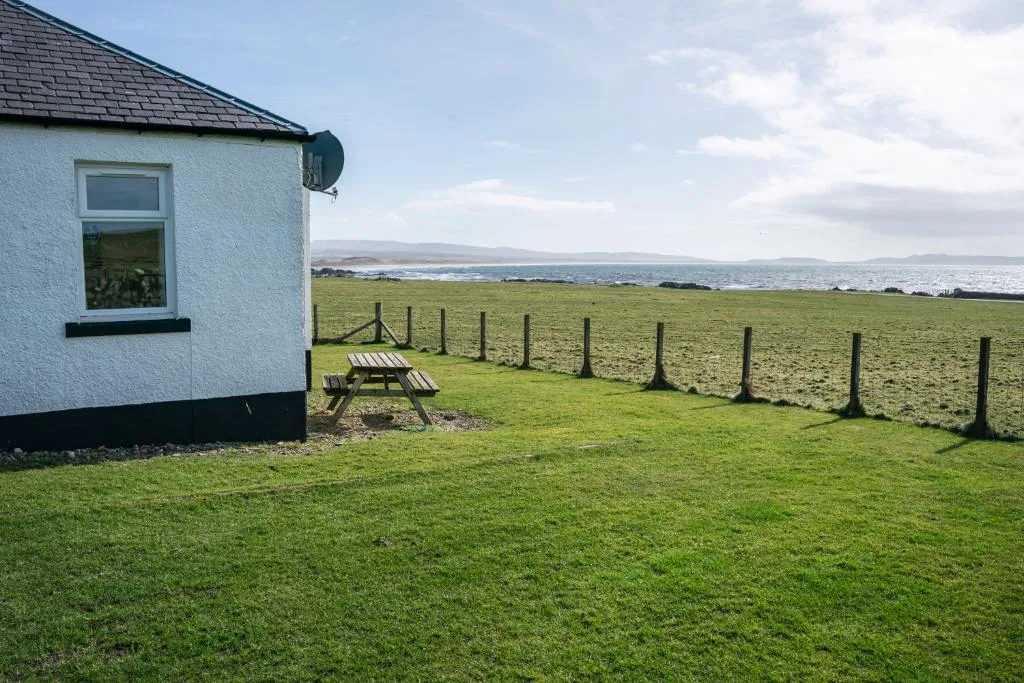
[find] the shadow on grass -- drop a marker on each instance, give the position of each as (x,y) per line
(461,360)
(638,390)
(32,465)
(719,405)
(826,423)
(555,378)
(50,459)
(956,446)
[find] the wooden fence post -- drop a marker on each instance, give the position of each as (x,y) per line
(316,324)
(526,342)
(585,371)
(980,428)
(408,327)
(854,408)
(660,381)
(483,335)
(444,333)
(746,392)
(378,319)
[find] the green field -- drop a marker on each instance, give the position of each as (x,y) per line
(596,531)
(919,364)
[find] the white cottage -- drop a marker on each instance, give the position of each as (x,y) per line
(154,250)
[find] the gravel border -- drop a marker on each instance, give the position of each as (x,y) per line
(369,420)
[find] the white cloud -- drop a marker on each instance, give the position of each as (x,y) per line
(761,148)
(890,117)
(480,185)
(576,179)
(942,9)
(639,148)
(494,194)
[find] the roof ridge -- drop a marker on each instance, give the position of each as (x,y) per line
(156,66)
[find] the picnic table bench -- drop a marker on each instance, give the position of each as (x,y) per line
(377,368)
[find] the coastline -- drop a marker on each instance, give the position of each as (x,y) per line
(955,294)
(993,282)
(369,264)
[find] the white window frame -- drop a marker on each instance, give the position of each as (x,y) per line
(124,172)
(163,215)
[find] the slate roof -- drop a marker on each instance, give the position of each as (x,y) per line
(52,72)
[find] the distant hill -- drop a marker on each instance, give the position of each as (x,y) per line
(357,252)
(949,260)
(382,252)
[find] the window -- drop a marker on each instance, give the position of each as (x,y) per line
(126,237)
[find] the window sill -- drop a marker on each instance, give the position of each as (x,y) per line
(119,327)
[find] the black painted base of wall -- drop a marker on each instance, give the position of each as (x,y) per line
(259,417)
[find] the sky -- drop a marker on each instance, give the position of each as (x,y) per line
(728,129)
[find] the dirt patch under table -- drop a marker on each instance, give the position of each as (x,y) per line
(371,419)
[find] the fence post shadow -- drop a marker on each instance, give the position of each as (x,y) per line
(955,446)
(826,423)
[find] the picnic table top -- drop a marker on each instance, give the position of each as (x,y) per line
(378,361)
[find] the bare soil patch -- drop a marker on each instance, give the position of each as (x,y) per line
(371,419)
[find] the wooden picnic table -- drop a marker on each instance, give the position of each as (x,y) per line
(378,368)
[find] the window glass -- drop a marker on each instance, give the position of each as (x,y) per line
(124,265)
(122,193)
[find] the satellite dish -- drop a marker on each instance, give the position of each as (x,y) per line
(322,161)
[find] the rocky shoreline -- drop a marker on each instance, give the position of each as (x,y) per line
(332,272)
(695,286)
(685,285)
(949,294)
(998,296)
(538,281)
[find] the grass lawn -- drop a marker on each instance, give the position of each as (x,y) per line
(920,359)
(596,531)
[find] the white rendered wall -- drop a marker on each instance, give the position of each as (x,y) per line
(239,233)
(307,265)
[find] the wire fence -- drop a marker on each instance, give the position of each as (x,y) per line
(928,377)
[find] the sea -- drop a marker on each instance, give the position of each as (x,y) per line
(909,278)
